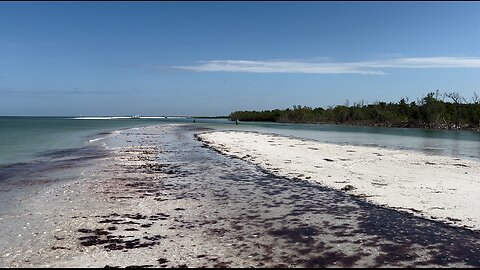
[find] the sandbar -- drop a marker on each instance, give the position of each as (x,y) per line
(435,187)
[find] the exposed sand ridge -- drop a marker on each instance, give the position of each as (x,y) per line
(434,187)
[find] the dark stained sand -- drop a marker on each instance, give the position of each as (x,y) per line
(163,199)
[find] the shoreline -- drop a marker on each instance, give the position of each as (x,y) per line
(163,199)
(434,187)
(367,125)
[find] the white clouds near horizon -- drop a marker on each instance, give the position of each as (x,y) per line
(364,67)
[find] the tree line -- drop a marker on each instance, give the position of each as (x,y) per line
(435,110)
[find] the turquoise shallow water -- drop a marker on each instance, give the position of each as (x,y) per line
(23,139)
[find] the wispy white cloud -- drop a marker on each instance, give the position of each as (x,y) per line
(427,62)
(276,67)
(365,67)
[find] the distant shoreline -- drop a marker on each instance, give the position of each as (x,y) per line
(406,126)
(431,111)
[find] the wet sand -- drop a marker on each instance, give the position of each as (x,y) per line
(160,198)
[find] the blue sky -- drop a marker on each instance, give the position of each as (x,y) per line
(210,58)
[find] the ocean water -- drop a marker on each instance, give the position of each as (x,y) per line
(27,139)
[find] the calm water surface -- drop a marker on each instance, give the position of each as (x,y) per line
(23,139)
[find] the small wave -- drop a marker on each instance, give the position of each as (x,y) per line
(97,139)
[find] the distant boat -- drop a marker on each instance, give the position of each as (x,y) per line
(135,117)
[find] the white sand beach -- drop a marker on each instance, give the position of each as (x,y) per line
(159,198)
(435,187)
